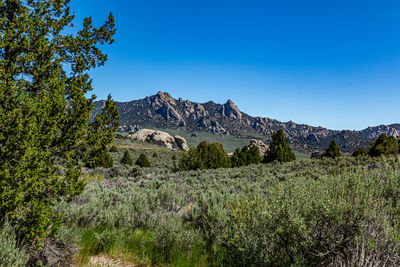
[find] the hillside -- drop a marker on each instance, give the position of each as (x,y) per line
(163,111)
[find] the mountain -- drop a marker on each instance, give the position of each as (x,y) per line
(395,125)
(163,111)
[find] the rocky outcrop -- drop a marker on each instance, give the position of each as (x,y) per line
(162,111)
(160,138)
(375,132)
(181,142)
(231,111)
(262,148)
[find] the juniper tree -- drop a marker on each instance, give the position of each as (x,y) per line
(126,159)
(333,151)
(44,113)
(279,149)
(205,156)
(359,152)
(143,161)
(384,145)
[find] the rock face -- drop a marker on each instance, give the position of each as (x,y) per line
(165,112)
(160,138)
(263,148)
(231,111)
(181,142)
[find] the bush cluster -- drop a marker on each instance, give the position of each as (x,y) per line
(384,145)
(205,156)
(301,213)
(246,156)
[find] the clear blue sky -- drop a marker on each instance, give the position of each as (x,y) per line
(332,63)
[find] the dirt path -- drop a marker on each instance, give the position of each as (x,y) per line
(137,147)
(106,261)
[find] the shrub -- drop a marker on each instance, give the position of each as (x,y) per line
(143,161)
(359,152)
(10,253)
(333,151)
(155,155)
(279,149)
(305,222)
(126,159)
(99,158)
(113,149)
(384,145)
(205,156)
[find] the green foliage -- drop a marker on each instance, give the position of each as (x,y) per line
(333,151)
(113,149)
(245,156)
(127,159)
(143,161)
(44,114)
(205,156)
(10,253)
(279,149)
(101,133)
(309,212)
(99,158)
(332,221)
(384,145)
(155,155)
(359,152)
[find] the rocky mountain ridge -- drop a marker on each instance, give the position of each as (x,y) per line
(163,111)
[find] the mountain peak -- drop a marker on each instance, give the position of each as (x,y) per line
(231,110)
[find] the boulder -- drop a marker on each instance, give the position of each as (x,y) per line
(263,148)
(181,142)
(160,138)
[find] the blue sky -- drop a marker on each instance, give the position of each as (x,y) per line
(326,63)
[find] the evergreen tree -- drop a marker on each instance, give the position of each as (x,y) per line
(114,149)
(360,152)
(254,155)
(44,114)
(205,156)
(384,145)
(143,161)
(279,149)
(126,159)
(101,133)
(333,151)
(245,156)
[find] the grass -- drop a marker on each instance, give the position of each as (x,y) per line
(138,246)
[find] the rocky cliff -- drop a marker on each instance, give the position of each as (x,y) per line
(163,111)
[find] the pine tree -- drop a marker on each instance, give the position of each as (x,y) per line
(279,149)
(44,114)
(143,161)
(126,159)
(333,151)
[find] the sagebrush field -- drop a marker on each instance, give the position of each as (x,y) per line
(306,212)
